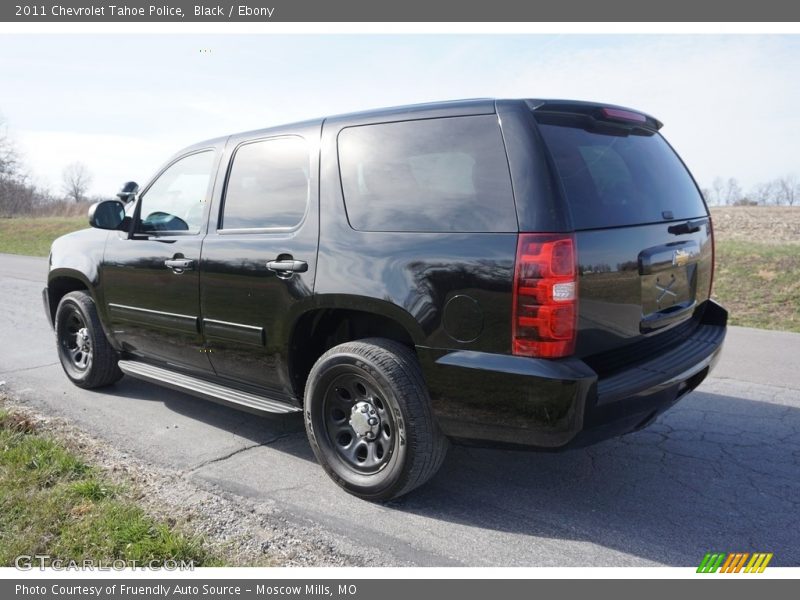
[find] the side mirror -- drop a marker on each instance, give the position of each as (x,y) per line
(108,214)
(128,191)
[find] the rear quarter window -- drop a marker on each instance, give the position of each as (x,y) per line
(620,178)
(444,175)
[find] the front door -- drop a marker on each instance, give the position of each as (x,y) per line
(258,260)
(151,278)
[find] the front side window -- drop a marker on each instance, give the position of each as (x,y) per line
(175,201)
(268,185)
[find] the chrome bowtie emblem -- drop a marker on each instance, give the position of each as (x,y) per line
(680,258)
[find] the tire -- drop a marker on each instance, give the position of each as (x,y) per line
(369,420)
(83,349)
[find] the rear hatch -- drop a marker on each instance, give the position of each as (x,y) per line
(642,231)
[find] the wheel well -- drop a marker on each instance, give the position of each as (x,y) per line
(318,331)
(58,288)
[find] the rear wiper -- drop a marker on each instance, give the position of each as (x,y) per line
(687,227)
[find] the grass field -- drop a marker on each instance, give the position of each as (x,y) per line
(33,235)
(759,284)
(757,275)
(52,503)
(758,265)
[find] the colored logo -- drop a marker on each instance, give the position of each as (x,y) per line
(734,562)
(681,258)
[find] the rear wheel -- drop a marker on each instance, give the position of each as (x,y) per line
(369,420)
(83,349)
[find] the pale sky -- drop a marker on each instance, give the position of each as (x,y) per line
(123,104)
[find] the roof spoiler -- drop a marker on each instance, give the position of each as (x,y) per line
(600,112)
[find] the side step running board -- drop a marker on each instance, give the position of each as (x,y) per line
(204,389)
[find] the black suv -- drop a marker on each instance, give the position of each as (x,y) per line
(533,273)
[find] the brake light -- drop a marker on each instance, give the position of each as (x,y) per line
(713,256)
(545,307)
(623,115)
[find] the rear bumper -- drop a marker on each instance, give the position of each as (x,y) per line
(508,400)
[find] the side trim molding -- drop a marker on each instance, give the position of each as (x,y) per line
(233,332)
(154,318)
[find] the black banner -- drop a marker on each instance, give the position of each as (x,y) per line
(396,589)
(407,11)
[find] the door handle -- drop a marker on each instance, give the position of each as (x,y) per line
(287,267)
(179,265)
(687,227)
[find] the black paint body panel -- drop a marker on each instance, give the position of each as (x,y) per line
(233,321)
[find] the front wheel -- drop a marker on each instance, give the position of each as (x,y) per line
(83,349)
(369,420)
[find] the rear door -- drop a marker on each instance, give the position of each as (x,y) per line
(259,257)
(643,233)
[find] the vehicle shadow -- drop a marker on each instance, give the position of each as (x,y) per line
(257,428)
(715,473)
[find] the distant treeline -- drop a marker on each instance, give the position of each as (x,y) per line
(779,191)
(20,196)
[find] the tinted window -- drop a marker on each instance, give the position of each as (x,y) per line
(432,175)
(268,185)
(615,179)
(175,201)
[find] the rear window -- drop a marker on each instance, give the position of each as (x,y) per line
(614,179)
(448,175)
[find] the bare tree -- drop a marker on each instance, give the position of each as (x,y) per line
(795,196)
(19,194)
(764,193)
(76,179)
(733,191)
(788,189)
(15,194)
(8,154)
(718,187)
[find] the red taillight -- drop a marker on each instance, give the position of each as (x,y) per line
(713,256)
(545,296)
(623,115)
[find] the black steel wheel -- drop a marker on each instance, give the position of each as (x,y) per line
(83,349)
(359,422)
(369,420)
(74,341)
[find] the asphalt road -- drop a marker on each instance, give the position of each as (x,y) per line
(721,471)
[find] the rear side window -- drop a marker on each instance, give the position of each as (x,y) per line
(620,178)
(447,175)
(268,185)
